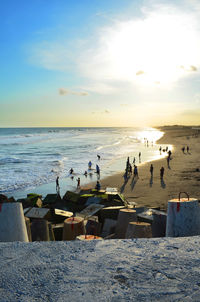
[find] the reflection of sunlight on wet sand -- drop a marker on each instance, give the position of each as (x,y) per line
(151,135)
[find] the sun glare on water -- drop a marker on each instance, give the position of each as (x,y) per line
(159,49)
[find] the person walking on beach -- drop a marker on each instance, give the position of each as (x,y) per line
(133,160)
(71,171)
(188,149)
(160,149)
(135,171)
(98,156)
(162,170)
(169,154)
(151,170)
(57,185)
(183,149)
(78,182)
(139,155)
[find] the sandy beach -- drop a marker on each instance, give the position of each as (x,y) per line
(181,176)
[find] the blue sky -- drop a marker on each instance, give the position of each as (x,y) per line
(99,63)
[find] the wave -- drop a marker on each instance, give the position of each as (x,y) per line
(110,145)
(12,160)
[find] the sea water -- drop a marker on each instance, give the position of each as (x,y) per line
(32,158)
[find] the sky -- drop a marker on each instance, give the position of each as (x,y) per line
(96,63)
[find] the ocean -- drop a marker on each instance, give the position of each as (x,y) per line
(32,158)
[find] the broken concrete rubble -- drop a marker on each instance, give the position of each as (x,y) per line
(107,206)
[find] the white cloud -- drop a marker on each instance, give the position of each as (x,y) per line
(64,91)
(148,50)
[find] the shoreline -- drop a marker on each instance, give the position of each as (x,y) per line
(181,176)
(108,168)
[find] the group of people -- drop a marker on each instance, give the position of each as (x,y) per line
(71,172)
(129,169)
(187,149)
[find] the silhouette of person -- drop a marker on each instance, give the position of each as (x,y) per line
(71,171)
(162,170)
(135,171)
(188,149)
(57,185)
(78,182)
(98,156)
(151,170)
(169,154)
(90,164)
(97,169)
(98,186)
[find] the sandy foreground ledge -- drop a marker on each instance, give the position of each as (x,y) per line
(164,269)
(181,176)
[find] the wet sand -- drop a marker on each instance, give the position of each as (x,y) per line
(180,176)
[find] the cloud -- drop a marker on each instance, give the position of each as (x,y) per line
(101,112)
(64,91)
(152,49)
(139,72)
(193,68)
(190,68)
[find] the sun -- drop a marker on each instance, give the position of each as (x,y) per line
(156,50)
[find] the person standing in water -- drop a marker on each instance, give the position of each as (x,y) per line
(78,182)
(97,169)
(57,185)
(90,165)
